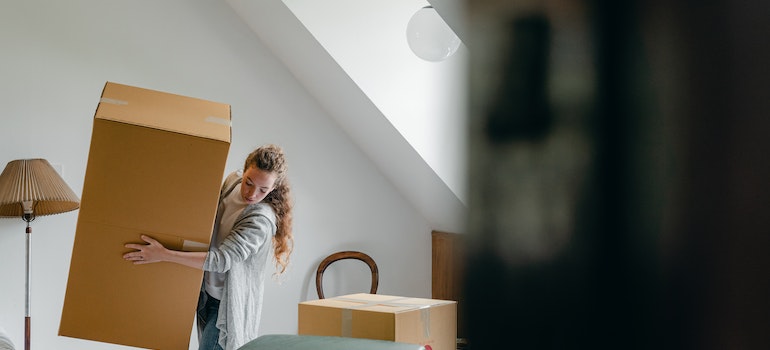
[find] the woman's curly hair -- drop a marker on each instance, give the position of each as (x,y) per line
(270,158)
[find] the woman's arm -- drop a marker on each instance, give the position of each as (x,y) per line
(153,252)
(252,230)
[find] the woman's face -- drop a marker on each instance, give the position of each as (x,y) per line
(257,184)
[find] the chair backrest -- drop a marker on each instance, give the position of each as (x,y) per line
(346,255)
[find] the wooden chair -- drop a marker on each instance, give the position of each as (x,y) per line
(346,255)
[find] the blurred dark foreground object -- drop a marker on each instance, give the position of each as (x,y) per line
(619,178)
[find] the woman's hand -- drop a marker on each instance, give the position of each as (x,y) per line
(153,252)
(148,253)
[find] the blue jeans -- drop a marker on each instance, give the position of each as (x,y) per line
(207,318)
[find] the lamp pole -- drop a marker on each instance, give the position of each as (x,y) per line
(28,309)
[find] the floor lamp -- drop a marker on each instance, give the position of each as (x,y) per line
(30,188)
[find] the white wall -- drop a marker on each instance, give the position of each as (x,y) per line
(424,100)
(56,59)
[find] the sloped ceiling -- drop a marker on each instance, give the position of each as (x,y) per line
(279,29)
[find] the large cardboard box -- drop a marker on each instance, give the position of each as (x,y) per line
(428,322)
(155,167)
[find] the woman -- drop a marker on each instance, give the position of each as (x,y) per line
(254,215)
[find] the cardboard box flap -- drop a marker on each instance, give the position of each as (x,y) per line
(165,111)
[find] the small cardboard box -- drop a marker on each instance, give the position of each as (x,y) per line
(155,167)
(428,322)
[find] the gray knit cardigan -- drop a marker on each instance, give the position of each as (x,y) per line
(244,256)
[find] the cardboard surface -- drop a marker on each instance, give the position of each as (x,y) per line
(375,316)
(155,166)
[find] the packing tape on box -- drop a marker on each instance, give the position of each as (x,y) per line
(209,119)
(347,313)
(217,120)
(425,318)
(347,323)
(113,101)
(193,246)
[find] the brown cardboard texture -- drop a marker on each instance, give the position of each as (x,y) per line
(155,167)
(375,316)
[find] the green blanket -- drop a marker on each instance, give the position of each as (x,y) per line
(312,342)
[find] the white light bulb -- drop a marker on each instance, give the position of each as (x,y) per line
(429,37)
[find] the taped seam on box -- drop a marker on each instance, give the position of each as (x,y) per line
(425,318)
(194,246)
(347,323)
(113,101)
(390,302)
(218,120)
(367,303)
(347,313)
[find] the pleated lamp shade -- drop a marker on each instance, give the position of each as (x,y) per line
(34,181)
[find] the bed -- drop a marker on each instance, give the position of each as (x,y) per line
(313,342)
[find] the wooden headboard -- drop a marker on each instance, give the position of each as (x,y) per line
(447,271)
